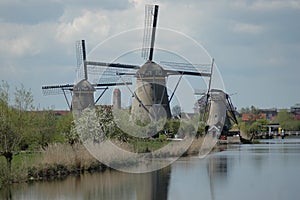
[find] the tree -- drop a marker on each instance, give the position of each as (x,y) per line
(287,121)
(258,126)
(245,110)
(15,121)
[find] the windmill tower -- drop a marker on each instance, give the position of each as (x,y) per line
(151,102)
(151,94)
(83,91)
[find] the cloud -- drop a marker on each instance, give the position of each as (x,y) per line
(88,24)
(96,4)
(26,40)
(18,46)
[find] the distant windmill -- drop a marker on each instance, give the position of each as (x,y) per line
(83,91)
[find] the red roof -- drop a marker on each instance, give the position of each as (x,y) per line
(252,117)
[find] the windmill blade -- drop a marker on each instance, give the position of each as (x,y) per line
(147,31)
(62,89)
(209,86)
(175,68)
(115,65)
(109,75)
(173,72)
(101,85)
(56,89)
(81,60)
(151,13)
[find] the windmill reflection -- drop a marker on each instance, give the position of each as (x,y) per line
(218,172)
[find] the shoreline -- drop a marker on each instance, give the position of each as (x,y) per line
(52,164)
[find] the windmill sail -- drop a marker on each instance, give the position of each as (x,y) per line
(151,13)
(175,68)
(81,60)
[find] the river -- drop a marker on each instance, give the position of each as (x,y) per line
(269,170)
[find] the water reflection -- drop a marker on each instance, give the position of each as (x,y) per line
(108,185)
(217,168)
(262,171)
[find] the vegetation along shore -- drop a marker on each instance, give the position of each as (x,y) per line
(41,144)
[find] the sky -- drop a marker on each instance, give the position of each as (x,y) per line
(255,44)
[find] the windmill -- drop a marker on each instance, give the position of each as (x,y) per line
(83,91)
(220,113)
(150,99)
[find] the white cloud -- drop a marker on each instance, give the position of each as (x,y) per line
(18,46)
(93,25)
(19,40)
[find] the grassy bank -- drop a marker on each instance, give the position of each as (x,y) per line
(57,161)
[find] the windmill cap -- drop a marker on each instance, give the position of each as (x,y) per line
(83,85)
(150,69)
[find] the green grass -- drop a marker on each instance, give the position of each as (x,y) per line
(19,166)
(27,159)
(146,146)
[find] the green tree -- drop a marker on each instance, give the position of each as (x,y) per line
(174,125)
(15,121)
(258,126)
(65,127)
(287,121)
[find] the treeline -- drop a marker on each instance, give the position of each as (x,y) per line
(286,120)
(23,127)
(37,144)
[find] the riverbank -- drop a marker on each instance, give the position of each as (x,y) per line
(58,161)
(54,162)
(264,169)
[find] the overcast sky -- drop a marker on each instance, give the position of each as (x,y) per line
(256,44)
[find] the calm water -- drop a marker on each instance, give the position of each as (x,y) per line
(262,171)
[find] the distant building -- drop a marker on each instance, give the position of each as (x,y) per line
(295,111)
(267,114)
(271,114)
(248,117)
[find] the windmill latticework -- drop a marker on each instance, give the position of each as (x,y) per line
(147,30)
